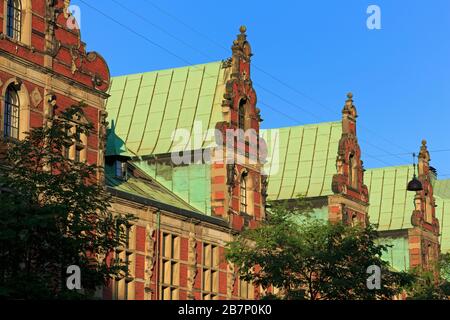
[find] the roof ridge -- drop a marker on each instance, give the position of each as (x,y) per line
(390,167)
(305,125)
(166,69)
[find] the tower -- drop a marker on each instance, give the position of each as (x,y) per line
(424,245)
(351,198)
(239,164)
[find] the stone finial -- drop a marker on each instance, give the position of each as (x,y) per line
(349,107)
(424,154)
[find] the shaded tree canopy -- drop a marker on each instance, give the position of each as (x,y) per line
(54,213)
(308,258)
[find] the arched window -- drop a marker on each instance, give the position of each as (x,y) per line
(352,175)
(11,113)
(241,114)
(243,193)
(14,19)
(428,209)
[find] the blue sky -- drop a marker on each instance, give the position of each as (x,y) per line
(307,56)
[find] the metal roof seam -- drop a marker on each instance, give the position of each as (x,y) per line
(312,160)
(298,166)
(134,109)
(148,115)
(181,105)
(155,146)
(284,164)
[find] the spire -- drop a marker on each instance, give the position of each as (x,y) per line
(349,116)
(424,154)
(349,107)
(241,52)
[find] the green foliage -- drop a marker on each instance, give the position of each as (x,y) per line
(431,284)
(54,214)
(307,258)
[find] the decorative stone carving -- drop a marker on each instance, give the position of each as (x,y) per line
(75,55)
(36,97)
(231,279)
(264,188)
(97,81)
(50,106)
(52,13)
(103,130)
(91,56)
(192,261)
(226,63)
(150,258)
(66,9)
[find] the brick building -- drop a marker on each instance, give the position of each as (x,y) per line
(44,67)
(170,160)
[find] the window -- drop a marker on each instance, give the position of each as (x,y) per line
(14,19)
(77,151)
(11,113)
(246,290)
(352,174)
(428,209)
(123,286)
(210,272)
(241,115)
(121,169)
(170,267)
(243,193)
(77,154)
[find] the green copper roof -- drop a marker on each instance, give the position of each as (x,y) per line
(442,188)
(146,187)
(148,107)
(443,214)
(397,253)
(391,205)
(302,160)
(192,183)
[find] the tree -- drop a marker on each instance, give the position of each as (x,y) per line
(309,258)
(54,214)
(431,284)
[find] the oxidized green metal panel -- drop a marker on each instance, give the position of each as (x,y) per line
(391,205)
(191,183)
(147,108)
(442,188)
(443,214)
(149,189)
(302,160)
(398,254)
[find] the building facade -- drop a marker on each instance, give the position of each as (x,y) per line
(181,149)
(44,67)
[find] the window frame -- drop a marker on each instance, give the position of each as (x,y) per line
(241,114)
(14,19)
(243,196)
(170,256)
(210,271)
(11,128)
